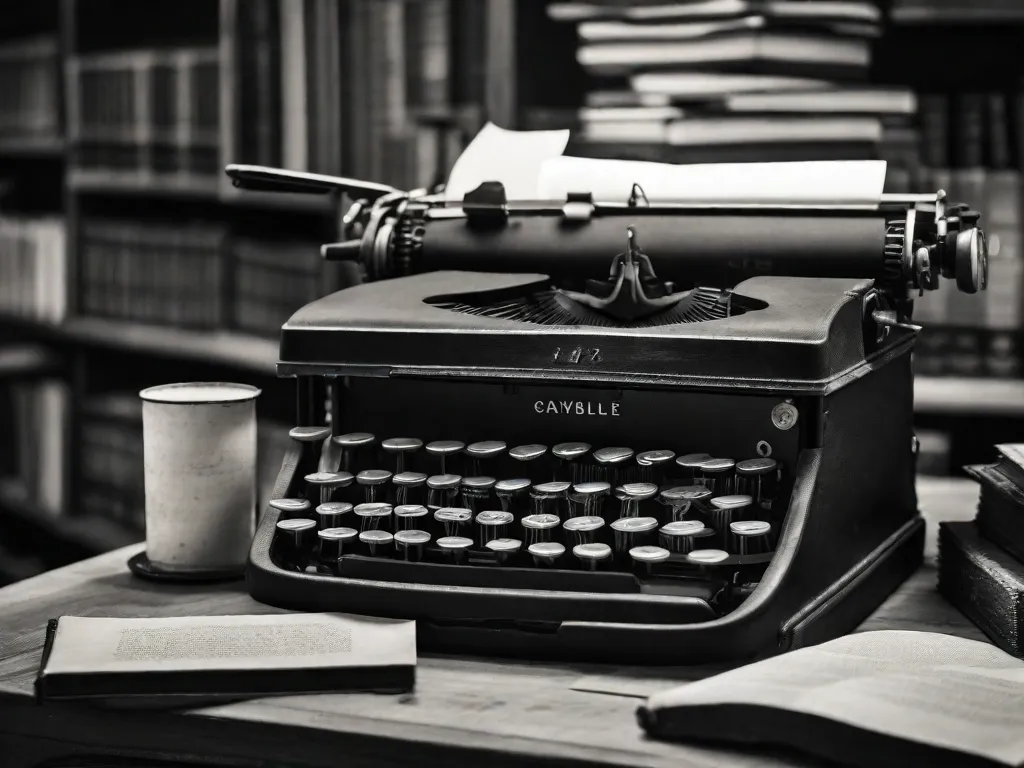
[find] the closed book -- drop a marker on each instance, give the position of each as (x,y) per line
(184,661)
(1000,515)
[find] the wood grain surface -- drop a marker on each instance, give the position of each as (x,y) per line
(464,711)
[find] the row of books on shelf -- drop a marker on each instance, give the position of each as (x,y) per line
(192,275)
(109,452)
(29,89)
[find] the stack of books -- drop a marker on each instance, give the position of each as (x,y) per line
(981,562)
(735,80)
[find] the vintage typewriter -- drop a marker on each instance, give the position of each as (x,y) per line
(580,428)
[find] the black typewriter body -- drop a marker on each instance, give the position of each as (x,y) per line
(502,369)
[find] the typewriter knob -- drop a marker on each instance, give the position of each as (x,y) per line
(971,259)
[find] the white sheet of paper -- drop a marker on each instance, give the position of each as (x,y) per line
(512,157)
(841,182)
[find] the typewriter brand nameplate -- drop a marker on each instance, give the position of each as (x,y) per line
(560,407)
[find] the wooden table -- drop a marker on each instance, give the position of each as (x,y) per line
(465,712)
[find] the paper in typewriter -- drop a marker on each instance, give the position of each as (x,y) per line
(840,182)
(85,645)
(940,691)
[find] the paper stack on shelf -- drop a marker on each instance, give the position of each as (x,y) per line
(731,81)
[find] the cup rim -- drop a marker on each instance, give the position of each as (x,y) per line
(230,392)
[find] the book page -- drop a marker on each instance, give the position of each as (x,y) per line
(925,687)
(512,157)
(286,641)
(841,182)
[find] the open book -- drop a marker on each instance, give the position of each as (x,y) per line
(889,698)
(204,659)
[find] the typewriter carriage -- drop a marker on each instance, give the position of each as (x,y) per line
(816,372)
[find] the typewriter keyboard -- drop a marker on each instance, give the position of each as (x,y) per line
(565,517)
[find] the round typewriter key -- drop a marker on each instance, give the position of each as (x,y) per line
(482,452)
(297,535)
(377,542)
(322,485)
(654,465)
(512,493)
(373,515)
(631,494)
(717,475)
(689,464)
(681,536)
(539,528)
(442,449)
(409,517)
(453,519)
(750,537)
(570,463)
(476,491)
(759,479)
(676,500)
(645,557)
(309,434)
(291,507)
(707,559)
(588,498)
(401,448)
(410,544)
(612,463)
(550,498)
(545,553)
(355,446)
(532,458)
(629,532)
(725,510)
(583,530)
(336,542)
(504,548)
(454,548)
(491,524)
(407,486)
(592,555)
(698,497)
(373,481)
(331,513)
(442,490)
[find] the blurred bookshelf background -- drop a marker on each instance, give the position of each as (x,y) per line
(127,259)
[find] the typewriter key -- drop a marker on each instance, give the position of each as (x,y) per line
(612,463)
(707,559)
(355,446)
(677,502)
(454,519)
(373,515)
(409,517)
(545,553)
(410,544)
(291,507)
(681,536)
(454,548)
(750,537)
(654,465)
(442,490)
(309,434)
(539,528)
(323,485)
(583,530)
(336,542)
(481,453)
(442,449)
(689,465)
(512,493)
(550,498)
(378,543)
(401,448)
(631,494)
(758,478)
(408,487)
(645,557)
(725,510)
(532,458)
(297,535)
(491,524)
(588,498)
(591,556)
(505,549)
(570,464)
(331,514)
(476,491)
(629,532)
(717,475)
(373,481)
